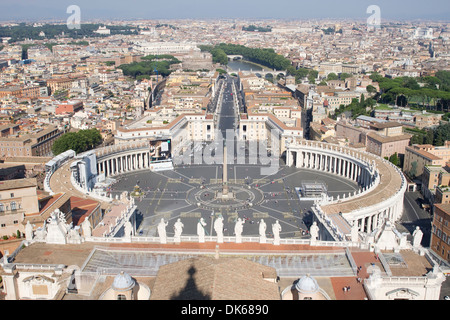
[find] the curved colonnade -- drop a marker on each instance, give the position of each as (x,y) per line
(123,158)
(380,198)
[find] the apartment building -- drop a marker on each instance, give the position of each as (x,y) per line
(419,156)
(57,84)
(440,236)
(442,194)
(426,120)
(69,107)
(37,143)
(386,146)
(17,198)
(185,127)
(338,98)
(351,134)
(432,178)
(158,48)
(29,92)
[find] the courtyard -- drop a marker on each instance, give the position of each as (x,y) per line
(189,193)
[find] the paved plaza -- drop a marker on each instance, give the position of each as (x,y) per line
(188,193)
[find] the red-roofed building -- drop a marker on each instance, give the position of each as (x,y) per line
(69,107)
(83,209)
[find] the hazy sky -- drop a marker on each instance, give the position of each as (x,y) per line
(176,9)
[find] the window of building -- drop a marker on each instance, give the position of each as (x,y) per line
(12,195)
(13,205)
(2,207)
(121,297)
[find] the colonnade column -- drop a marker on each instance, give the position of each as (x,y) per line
(299,161)
(369,224)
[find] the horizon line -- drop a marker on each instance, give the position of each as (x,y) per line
(115,19)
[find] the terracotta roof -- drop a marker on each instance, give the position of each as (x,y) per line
(81,209)
(423,153)
(382,125)
(384,139)
(217,279)
(443,207)
(18,184)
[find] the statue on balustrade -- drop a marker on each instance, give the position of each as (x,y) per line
(276,229)
(201,230)
(417,237)
(162,231)
(238,228)
(314,231)
(262,231)
(178,229)
(87,228)
(218,227)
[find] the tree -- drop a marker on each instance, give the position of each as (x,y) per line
(344,76)
(148,65)
(371,89)
(394,159)
(80,141)
(332,76)
(219,56)
(429,137)
(416,139)
(441,134)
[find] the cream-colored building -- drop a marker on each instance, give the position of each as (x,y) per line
(419,156)
(18,198)
(386,146)
(181,129)
(426,120)
(266,127)
(339,98)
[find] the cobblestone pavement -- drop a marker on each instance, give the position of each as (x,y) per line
(188,193)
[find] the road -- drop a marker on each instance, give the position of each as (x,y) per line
(414,215)
(227,111)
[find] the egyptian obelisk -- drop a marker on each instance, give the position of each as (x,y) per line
(225,194)
(225,173)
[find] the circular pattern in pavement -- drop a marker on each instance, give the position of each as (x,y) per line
(208,197)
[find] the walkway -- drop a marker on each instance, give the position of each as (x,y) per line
(363,259)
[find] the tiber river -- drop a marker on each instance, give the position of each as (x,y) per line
(234,66)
